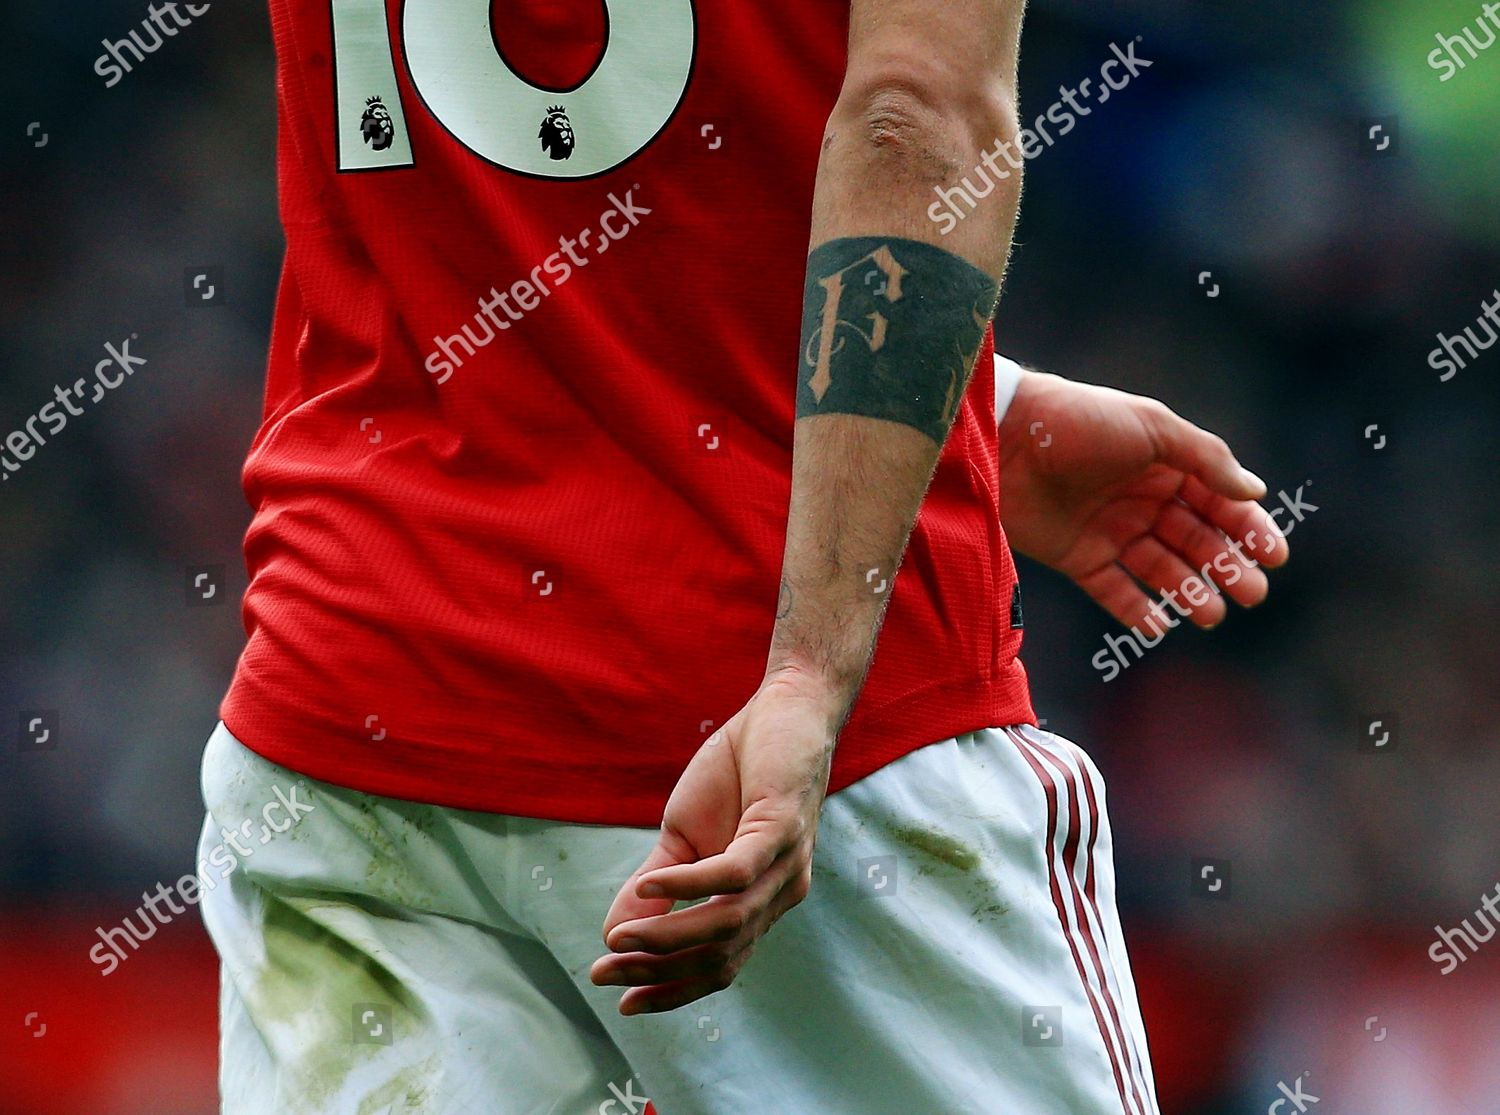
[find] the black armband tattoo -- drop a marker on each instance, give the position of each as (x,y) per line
(891,329)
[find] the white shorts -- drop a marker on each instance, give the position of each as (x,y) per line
(959,952)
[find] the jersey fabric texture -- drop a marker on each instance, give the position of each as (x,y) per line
(521,485)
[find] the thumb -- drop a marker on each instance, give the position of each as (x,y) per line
(629,906)
(1207,456)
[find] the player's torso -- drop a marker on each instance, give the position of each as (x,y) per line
(625,183)
(529,406)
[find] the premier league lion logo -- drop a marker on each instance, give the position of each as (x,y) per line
(557,134)
(376,125)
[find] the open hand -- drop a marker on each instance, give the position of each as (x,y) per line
(1115,491)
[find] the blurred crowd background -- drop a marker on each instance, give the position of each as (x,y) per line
(1245,151)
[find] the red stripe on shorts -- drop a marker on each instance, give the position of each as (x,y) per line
(1088,889)
(1070,851)
(1049,790)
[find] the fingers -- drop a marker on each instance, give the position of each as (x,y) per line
(1199,453)
(669,982)
(1248,523)
(722,918)
(1117,592)
(1198,545)
(660,983)
(1187,594)
(681,957)
(656,962)
(733,870)
(1206,549)
(669,931)
(670,996)
(629,905)
(1213,536)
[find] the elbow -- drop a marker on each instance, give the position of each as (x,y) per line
(934,122)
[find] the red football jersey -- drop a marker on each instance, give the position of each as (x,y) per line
(521,487)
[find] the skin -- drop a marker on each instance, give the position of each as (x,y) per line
(925,93)
(1116,492)
(929,86)
(1124,493)
(1128,491)
(891,327)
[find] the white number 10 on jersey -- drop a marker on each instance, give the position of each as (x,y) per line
(624,103)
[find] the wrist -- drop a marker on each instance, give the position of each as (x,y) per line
(793,678)
(1032,401)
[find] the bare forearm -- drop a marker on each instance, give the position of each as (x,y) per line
(894,316)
